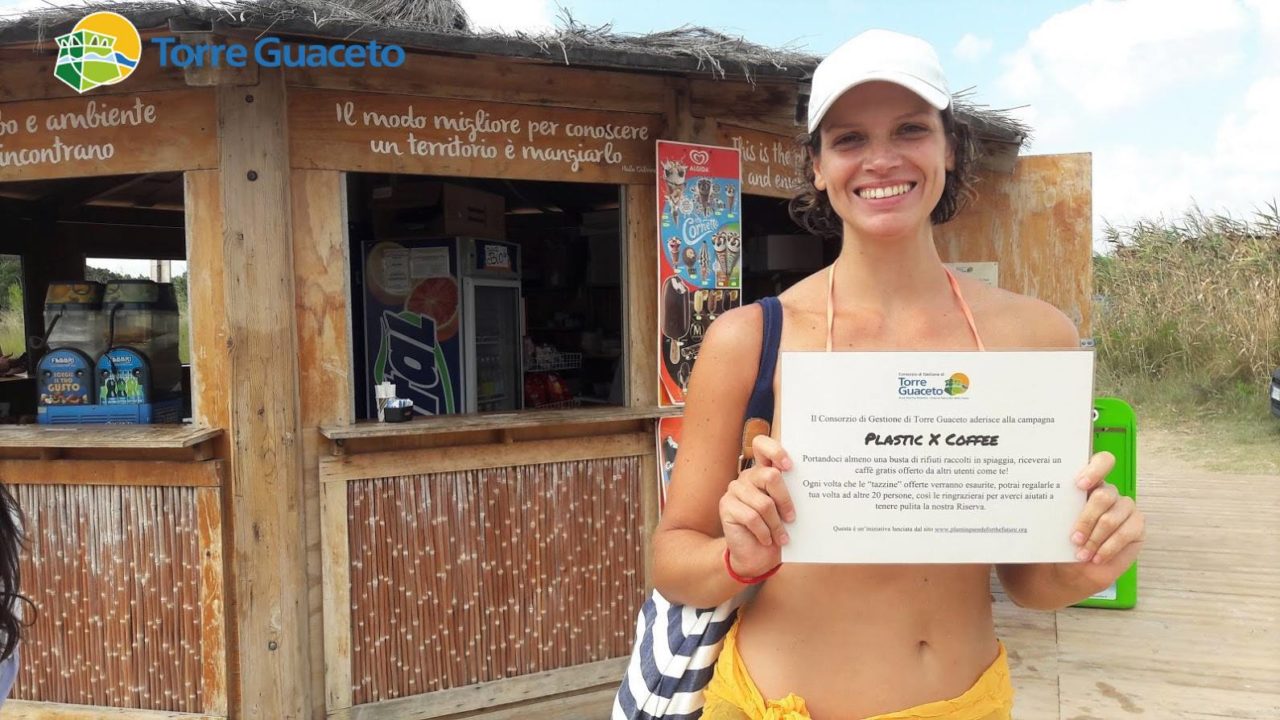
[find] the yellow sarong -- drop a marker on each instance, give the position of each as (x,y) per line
(733,695)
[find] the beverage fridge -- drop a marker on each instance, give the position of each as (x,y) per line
(443,321)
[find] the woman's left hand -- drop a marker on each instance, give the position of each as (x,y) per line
(1110,530)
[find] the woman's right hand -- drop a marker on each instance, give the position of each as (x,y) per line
(754,508)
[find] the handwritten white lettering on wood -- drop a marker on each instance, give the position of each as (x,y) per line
(365,131)
(112,134)
(770,163)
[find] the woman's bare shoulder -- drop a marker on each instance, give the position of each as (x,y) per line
(1009,319)
(736,334)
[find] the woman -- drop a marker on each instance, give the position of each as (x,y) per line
(886,160)
(10,618)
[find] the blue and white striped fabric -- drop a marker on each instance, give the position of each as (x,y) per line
(673,658)
(677,646)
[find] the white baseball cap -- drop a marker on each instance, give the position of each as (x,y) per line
(878,55)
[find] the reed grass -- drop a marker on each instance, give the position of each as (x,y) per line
(1194,302)
(1187,326)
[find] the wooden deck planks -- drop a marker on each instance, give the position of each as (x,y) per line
(1204,641)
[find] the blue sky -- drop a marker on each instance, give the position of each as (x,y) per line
(1177,100)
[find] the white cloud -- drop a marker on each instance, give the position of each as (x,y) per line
(1131,183)
(509,15)
(1248,143)
(1106,55)
(15,8)
(1021,77)
(503,15)
(972,48)
(1239,174)
(1267,14)
(1096,75)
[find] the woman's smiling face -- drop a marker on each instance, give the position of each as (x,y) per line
(884,159)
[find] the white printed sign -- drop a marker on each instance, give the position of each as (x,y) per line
(935,457)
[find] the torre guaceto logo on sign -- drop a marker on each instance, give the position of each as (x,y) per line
(957,384)
(924,384)
(103,48)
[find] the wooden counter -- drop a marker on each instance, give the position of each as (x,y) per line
(493,421)
(152,437)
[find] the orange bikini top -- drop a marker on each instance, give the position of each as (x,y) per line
(955,288)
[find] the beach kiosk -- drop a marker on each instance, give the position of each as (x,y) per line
(280,553)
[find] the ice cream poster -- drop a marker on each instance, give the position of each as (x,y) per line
(700,250)
(668,444)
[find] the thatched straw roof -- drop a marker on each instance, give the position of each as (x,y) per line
(442,25)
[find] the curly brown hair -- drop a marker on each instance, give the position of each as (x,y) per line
(811,209)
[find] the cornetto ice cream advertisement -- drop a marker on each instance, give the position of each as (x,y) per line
(700,249)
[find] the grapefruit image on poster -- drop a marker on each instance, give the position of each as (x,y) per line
(700,248)
(103,48)
(412,301)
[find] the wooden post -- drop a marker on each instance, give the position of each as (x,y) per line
(642,339)
(211,383)
(266,505)
(336,578)
(642,294)
(648,519)
(321,306)
(210,374)
(213,661)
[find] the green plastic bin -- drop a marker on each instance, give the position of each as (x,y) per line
(1115,430)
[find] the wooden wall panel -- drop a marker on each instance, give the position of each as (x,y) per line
(26,74)
(27,710)
(117,577)
(770,161)
(153,473)
(1038,223)
(476,576)
(459,458)
(370,132)
(771,102)
(108,135)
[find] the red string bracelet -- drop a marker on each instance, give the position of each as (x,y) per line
(748,580)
